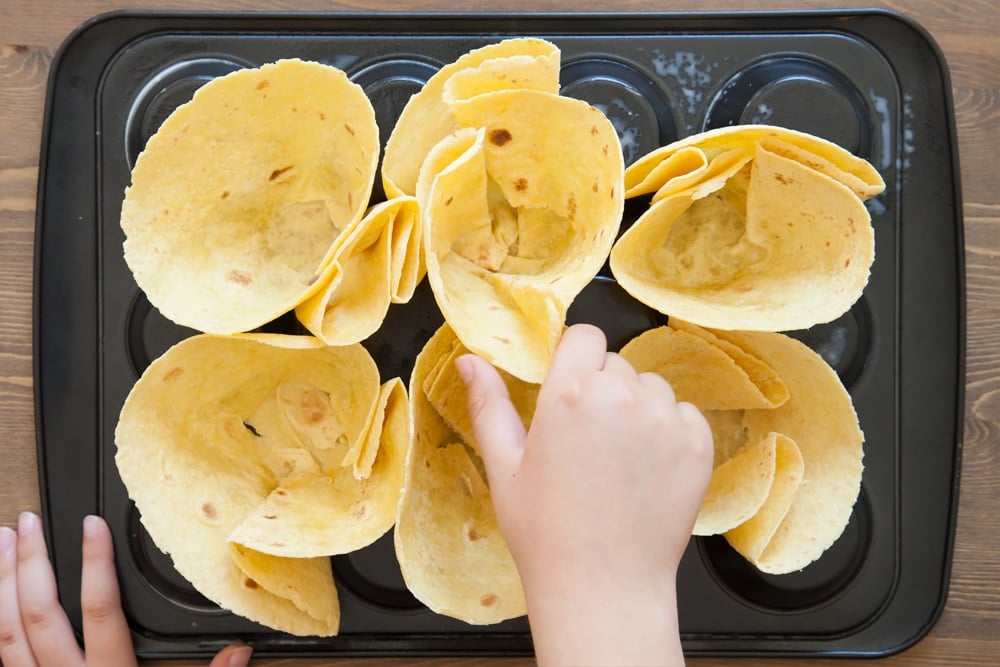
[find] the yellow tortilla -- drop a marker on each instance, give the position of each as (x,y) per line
(751,537)
(519,215)
(704,370)
(738,489)
(305,582)
(377,263)
(446,392)
(722,380)
(819,416)
(687,156)
(751,228)
(228,441)
(787,471)
(427,119)
(448,544)
(239,198)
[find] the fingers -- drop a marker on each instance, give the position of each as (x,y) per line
(655,382)
(14,648)
(497,426)
(693,416)
(617,364)
(45,624)
(105,630)
(583,347)
(234,655)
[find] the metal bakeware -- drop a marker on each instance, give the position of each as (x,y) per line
(870,80)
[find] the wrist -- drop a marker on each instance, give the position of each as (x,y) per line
(604,621)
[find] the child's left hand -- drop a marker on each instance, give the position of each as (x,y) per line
(34,629)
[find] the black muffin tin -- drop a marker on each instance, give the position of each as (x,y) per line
(870,80)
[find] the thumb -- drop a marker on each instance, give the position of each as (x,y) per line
(495,421)
(234,655)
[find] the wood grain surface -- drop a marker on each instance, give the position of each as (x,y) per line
(968,632)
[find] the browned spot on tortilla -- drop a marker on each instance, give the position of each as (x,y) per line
(173,374)
(571,206)
(239,277)
(500,136)
(270,516)
(278,172)
(784,180)
(505,341)
(313,406)
(604,149)
(322,116)
(521,184)
(593,130)
(594,187)
(277,544)
(225,193)
(233,429)
(208,510)
(847,262)
(281,492)
(488,600)
(250,583)
(449,201)
(349,129)
(263,84)
(473,535)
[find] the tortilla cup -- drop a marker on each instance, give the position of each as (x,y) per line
(222,445)
(238,200)
(751,228)
(449,547)
(518,217)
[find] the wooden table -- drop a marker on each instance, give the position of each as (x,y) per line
(968,632)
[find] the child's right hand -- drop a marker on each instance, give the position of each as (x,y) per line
(596,501)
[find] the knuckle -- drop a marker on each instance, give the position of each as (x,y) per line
(98,610)
(8,638)
(478,405)
(37,618)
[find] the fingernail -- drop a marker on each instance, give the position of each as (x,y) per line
(6,539)
(465,368)
(91,525)
(240,657)
(27,523)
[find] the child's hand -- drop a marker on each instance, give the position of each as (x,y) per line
(596,501)
(34,630)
